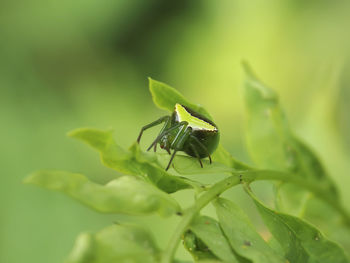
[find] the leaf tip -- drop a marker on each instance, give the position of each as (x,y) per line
(76,133)
(248,69)
(27,179)
(31,178)
(151,87)
(151,83)
(94,137)
(72,133)
(255,87)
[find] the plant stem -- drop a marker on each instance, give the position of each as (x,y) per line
(247,176)
(201,202)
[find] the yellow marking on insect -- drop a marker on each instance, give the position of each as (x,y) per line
(194,122)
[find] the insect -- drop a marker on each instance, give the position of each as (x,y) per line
(185,130)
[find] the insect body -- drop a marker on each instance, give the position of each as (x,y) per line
(185,130)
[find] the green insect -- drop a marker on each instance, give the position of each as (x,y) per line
(185,130)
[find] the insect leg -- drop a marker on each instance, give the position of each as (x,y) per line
(152,124)
(202,146)
(194,149)
(182,136)
(166,131)
(165,126)
(171,159)
(178,136)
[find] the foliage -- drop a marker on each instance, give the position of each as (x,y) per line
(146,188)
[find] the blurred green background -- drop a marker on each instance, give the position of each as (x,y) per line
(68,64)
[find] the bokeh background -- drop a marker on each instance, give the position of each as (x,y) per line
(68,64)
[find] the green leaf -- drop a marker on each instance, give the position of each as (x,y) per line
(331,223)
(242,235)
(293,199)
(221,155)
(132,161)
(189,165)
(112,155)
(165,97)
(117,243)
(209,232)
(127,194)
(301,242)
(271,141)
(154,170)
(197,248)
(272,144)
(309,166)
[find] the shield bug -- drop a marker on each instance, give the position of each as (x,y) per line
(185,130)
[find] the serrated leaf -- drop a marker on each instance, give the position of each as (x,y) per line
(117,243)
(208,230)
(132,161)
(241,234)
(127,194)
(301,242)
(272,144)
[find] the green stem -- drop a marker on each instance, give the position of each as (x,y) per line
(247,176)
(201,202)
